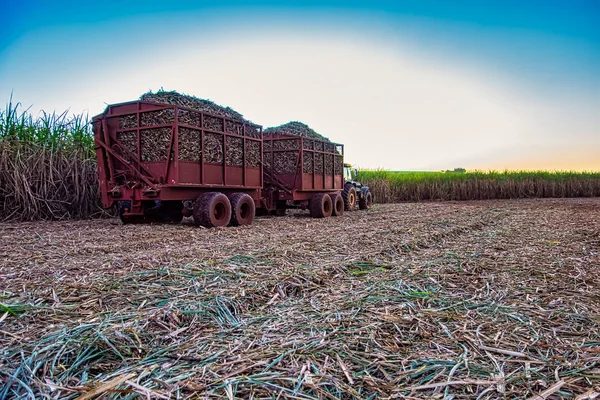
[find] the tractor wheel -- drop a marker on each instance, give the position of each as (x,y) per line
(338,205)
(349,196)
(171,212)
(321,206)
(212,209)
(366,202)
(242,209)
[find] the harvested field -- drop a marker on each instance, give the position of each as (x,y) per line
(470,300)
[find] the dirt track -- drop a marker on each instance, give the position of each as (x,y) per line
(471,299)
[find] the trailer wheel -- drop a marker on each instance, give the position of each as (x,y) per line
(349,196)
(212,209)
(366,202)
(321,206)
(242,209)
(338,205)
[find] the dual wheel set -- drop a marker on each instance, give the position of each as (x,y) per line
(324,205)
(212,209)
(215,209)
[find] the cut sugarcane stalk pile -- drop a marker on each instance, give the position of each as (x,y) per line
(285,162)
(193,102)
(155,141)
(294,128)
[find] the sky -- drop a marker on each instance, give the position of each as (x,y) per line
(404,85)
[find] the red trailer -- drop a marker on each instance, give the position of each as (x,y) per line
(159,162)
(305,173)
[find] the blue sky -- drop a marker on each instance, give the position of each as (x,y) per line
(481,84)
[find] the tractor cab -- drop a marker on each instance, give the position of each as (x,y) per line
(349,173)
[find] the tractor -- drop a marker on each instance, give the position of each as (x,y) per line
(354,191)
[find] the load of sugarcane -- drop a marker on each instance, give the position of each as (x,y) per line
(155,142)
(285,162)
(294,128)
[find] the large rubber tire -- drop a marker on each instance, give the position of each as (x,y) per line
(338,205)
(321,206)
(366,202)
(349,196)
(212,210)
(243,209)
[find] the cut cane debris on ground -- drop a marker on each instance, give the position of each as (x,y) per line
(470,300)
